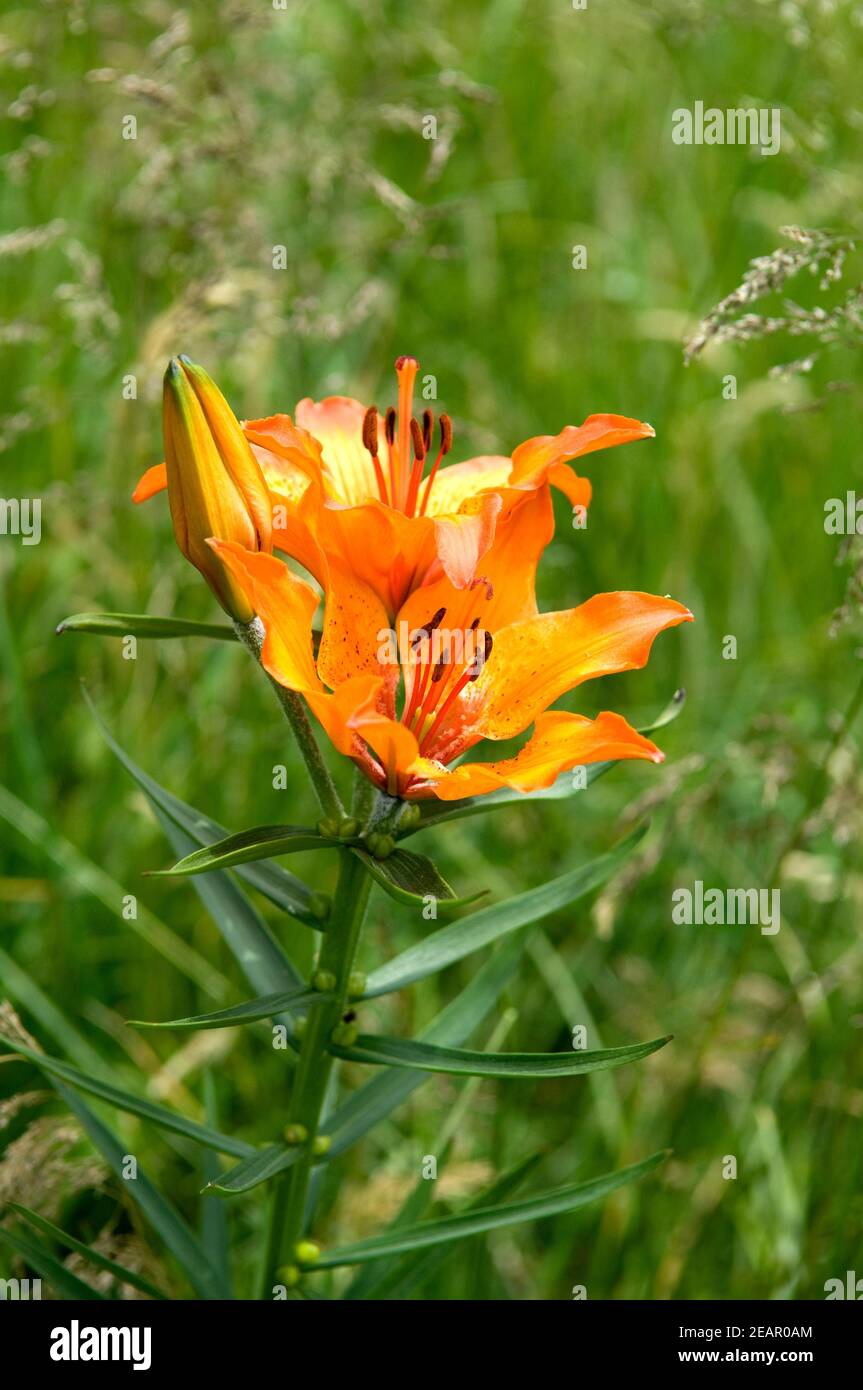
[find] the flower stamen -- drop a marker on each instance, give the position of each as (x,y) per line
(445,425)
(370,442)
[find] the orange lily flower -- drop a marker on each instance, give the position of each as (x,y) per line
(472,662)
(350,492)
(215,484)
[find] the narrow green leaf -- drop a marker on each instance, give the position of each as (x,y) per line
(60,1279)
(469,1223)
(162,1216)
(17,984)
(416,1266)
(262,960)
(133,1105)
(215,1219)
(144,625)
(439,813)
(374,1101)
(123,1275)
(404,1052)
(371,1103)
(452,943)
(252,1171)
(412,878)
(266,1006)
(368,1278)
(282,888)
(246,846)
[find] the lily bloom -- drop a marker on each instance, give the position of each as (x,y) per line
(215,484)
(353,489)
(464,664)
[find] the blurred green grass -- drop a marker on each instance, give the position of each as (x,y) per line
(302,128)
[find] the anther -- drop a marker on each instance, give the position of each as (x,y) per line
(481,658)
(440,667)
(417,441)
(428,429)
(390,424)
(428,628)
(445,434)
(370,430)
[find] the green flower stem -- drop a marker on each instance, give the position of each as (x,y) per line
(252,636)
(315,1062)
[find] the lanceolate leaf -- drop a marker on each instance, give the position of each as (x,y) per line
(265,1164)
(123,1275)
(380,1096)
(261,842)
(413,879)
(400,1052)
(370,1104)
(266,1006)
(60,1279)
(134,1105)
(415,1267)
(438,813)
(144,625)
(452,943)
(260,957)
(163,1217)
(469,1223)
(281,887)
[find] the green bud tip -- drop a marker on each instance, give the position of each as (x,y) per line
(290,1276)
(321,1145)
(381,846)
(357,982)
(300,1026)
(306,1252)
(319,906)
(324,980)
(348,827)
(328,826)
(296,1134)
(410,816)
(345,1034)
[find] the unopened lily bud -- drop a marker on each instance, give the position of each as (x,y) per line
(215,485)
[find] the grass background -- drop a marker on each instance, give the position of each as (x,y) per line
(303,128)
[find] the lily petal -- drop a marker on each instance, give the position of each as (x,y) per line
(154,480)
(285,605)
(537,660)
(560,742)
(337,424)
(544,458)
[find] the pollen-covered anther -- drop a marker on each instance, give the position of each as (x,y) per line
(370,442)
(370,430)
(428,429)
(428,628)
(390,425)
(418,442)
(481,657)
